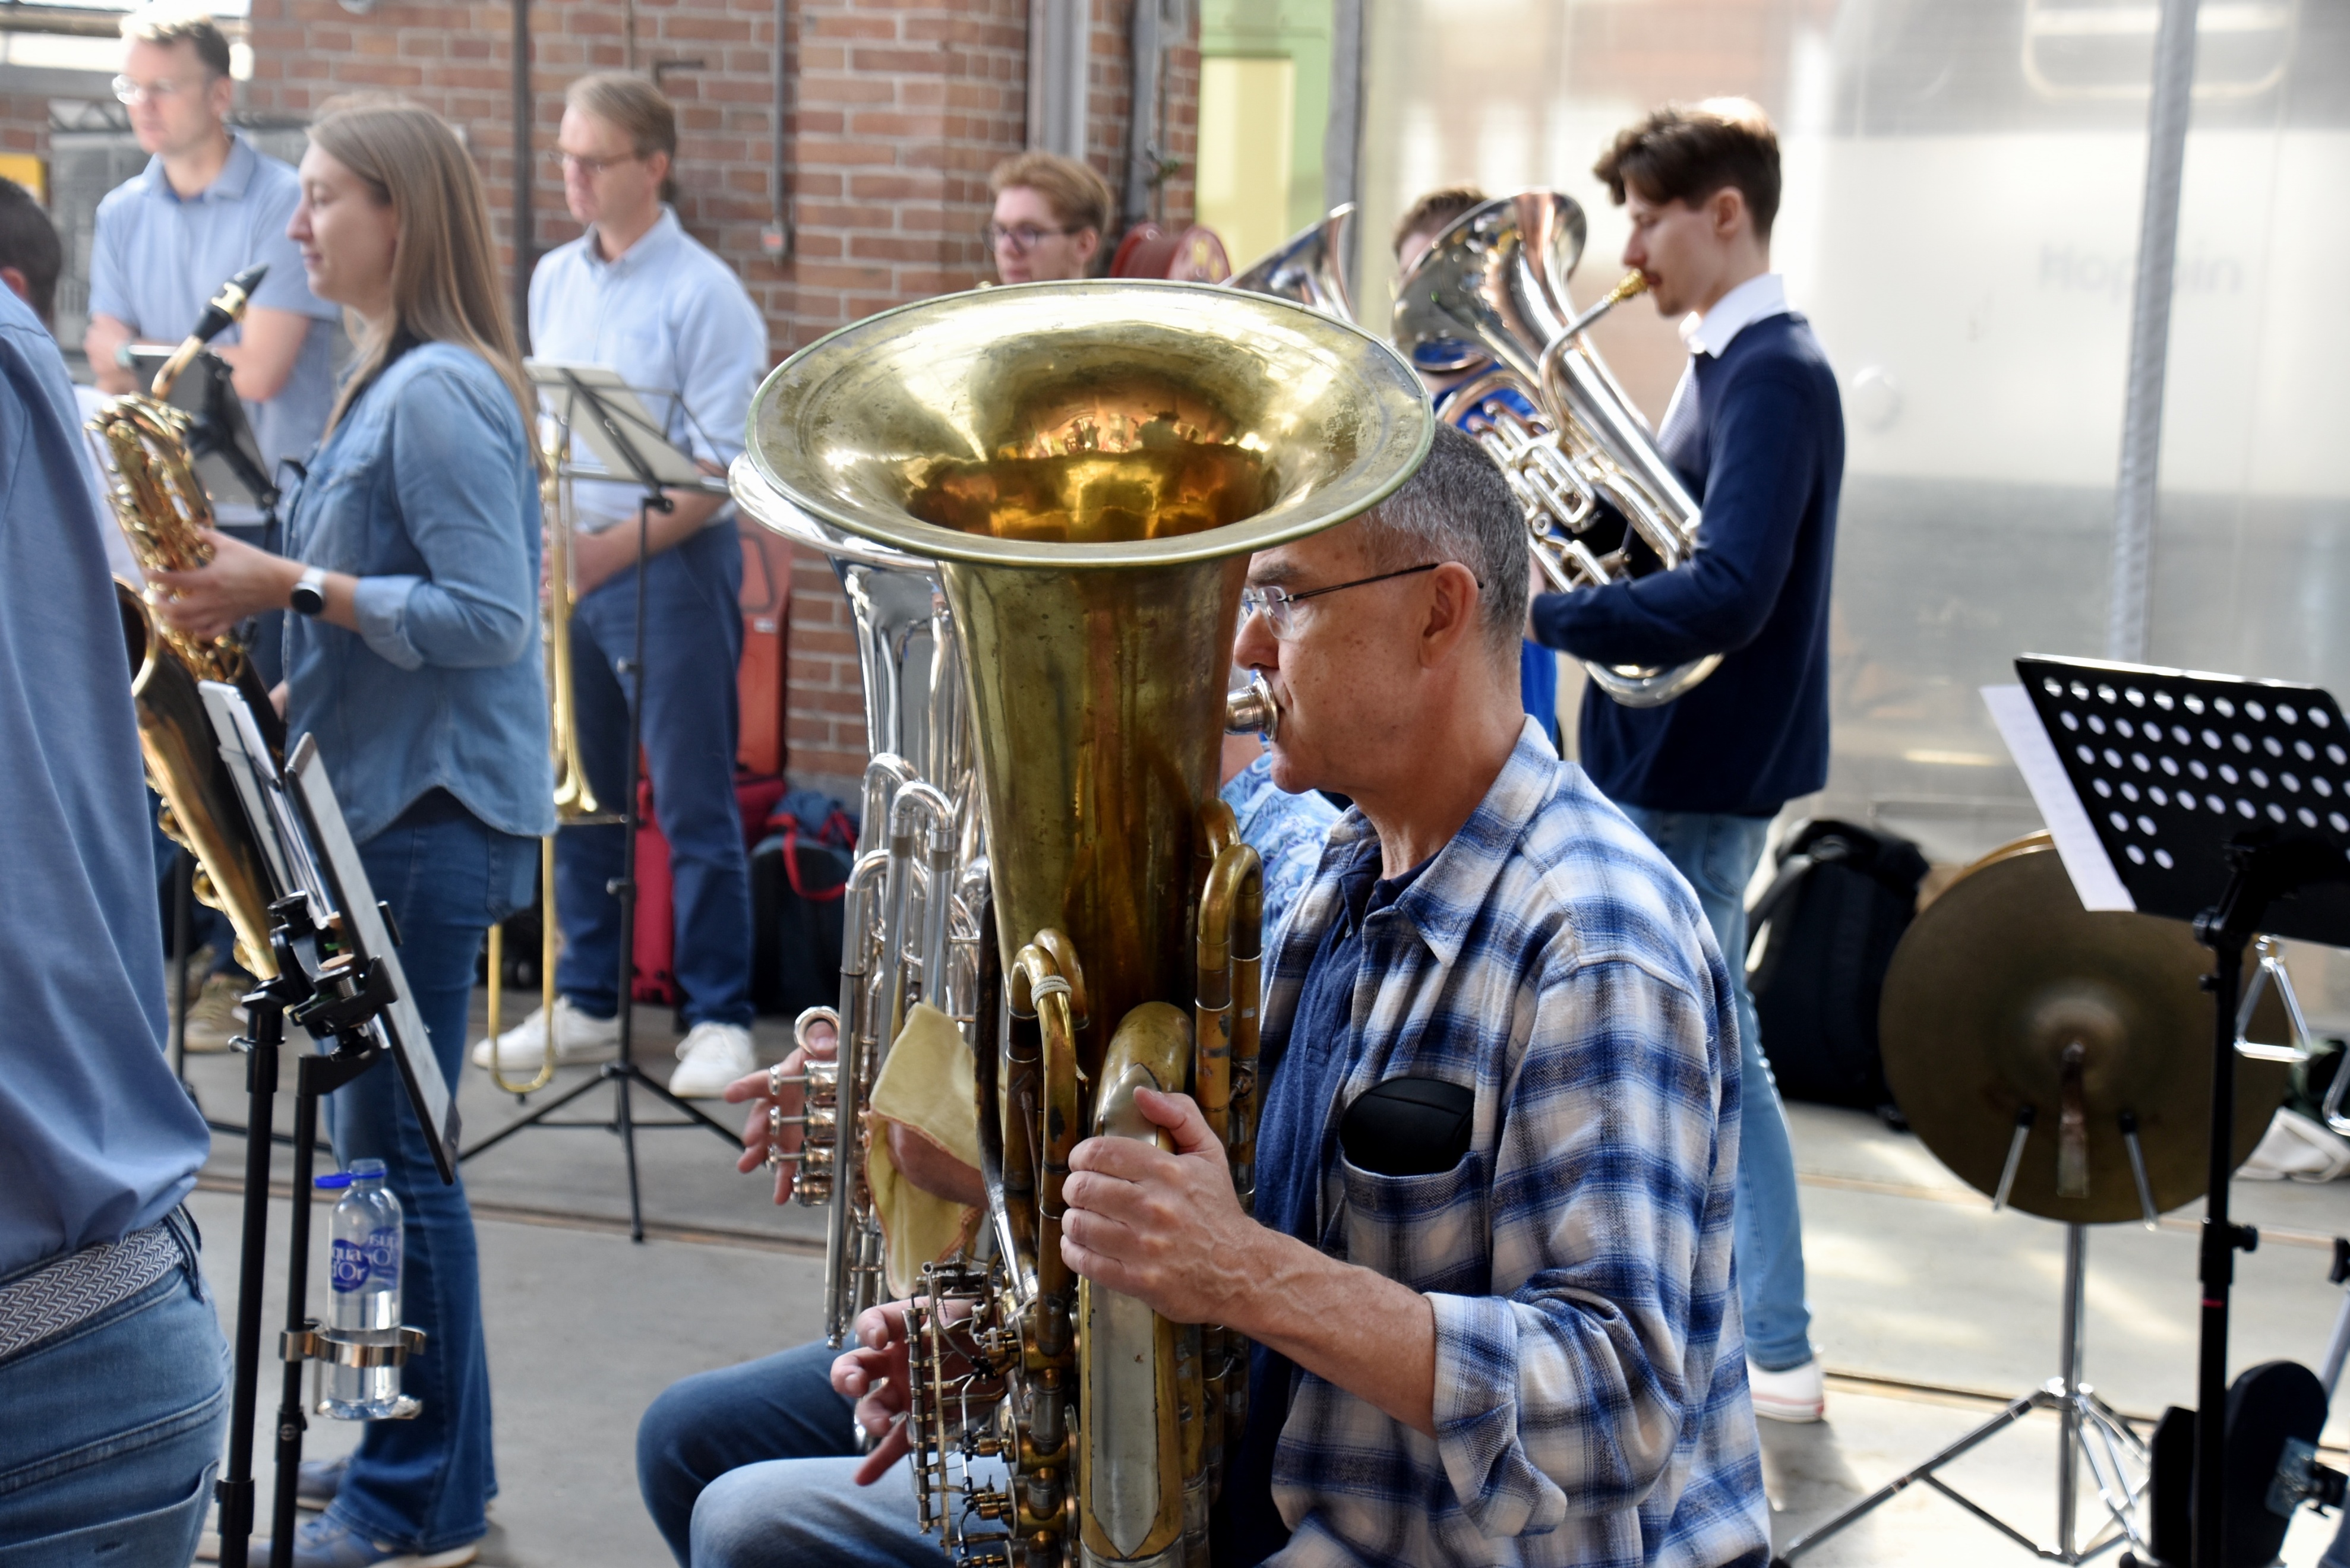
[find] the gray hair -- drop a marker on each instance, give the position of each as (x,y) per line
(1458,507)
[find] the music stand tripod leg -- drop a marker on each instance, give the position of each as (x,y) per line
(266,1032)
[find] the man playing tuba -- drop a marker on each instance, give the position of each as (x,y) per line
(1487,1279)
(1756,431)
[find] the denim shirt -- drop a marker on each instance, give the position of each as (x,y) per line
(428,493)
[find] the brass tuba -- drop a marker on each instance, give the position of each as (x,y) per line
(914,911)
(1090,466)
(1310,268)
(1602,502)
(163,511)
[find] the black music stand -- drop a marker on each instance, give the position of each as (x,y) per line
(622,430)
(2225,803)
(339,976)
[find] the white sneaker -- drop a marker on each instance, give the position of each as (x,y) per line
(710,1057)
(577,1038)
(1798,1394)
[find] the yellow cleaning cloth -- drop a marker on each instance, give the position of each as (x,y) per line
(926,1084)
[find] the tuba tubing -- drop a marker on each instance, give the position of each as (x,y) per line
(1087,468)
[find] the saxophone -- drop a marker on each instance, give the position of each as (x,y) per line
(164,511)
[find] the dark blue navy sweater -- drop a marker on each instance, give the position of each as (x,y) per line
(1765,460)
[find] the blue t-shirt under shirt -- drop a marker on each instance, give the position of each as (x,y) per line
(1306,1074)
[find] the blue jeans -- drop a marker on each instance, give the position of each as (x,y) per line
(112,1431)
(753,1467)
(693,643)
(422,1484)
(1718,853)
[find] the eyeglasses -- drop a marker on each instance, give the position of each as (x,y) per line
(134,93)
(1279,607)
(591,167)
(1020,237)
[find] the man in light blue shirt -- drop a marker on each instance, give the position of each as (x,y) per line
(112,1364)
(638,295)
(206,208)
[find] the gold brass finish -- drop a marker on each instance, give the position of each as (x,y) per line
(200,802)
(2004,993)
(1089,467)
(164,511)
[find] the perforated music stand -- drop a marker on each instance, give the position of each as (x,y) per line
(2225,803)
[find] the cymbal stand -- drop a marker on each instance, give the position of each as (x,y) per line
(2089,1429)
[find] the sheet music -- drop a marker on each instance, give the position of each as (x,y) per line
(632,430)
(2085,862)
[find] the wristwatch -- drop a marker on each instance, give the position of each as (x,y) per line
(309,595)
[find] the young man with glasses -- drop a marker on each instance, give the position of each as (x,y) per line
(637,295)
(208,205)
(1515,1344)
(1050,215)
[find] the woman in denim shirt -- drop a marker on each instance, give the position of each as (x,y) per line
(415,540)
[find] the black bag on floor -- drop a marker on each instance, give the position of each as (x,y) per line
(1820,940)
(795,898)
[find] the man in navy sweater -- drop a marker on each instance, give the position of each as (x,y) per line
(1756,431)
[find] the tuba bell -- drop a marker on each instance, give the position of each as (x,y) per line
(1310,268)
(1601,500)
(164,511)
(1090,466)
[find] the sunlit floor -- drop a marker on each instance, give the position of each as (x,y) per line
(1929,1310)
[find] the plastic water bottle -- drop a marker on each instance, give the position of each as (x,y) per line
(363,1290)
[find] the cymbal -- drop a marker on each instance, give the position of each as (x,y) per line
(2005,994)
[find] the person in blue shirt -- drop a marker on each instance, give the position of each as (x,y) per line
(1756,430)
(413,662)
(782,1407)
(637,295)
(1422,221)
(208,205)
(1519,1346)
(113,1374)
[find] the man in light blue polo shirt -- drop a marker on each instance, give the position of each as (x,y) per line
(207,207)
(636,294)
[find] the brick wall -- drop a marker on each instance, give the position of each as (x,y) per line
(899,108)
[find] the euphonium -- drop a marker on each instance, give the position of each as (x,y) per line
(1090,466)
(1603,502)
(1310,268)
(914,909)
(164,511)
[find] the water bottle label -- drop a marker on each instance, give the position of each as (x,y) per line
(346,1268)
(383,1257)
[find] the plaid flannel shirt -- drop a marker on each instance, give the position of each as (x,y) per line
(1591,1400)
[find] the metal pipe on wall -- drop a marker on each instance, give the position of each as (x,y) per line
(526,254)
(1342,132)
(2137,494)
(1144,58)
(775,239)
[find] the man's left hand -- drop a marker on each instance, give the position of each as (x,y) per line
(1163,1227)
(595,558)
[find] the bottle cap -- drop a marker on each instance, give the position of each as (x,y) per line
(333,1181)
(366,1170)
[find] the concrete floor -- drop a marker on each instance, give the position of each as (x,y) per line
(1929,1310)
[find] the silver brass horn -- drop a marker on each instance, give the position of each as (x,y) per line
(916,903)
(1310,268)
(1602,501)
